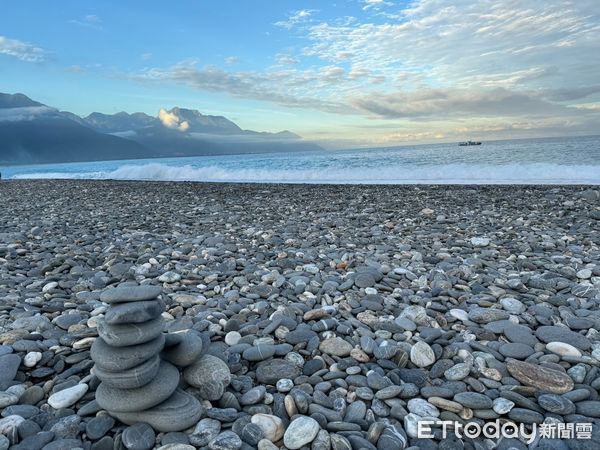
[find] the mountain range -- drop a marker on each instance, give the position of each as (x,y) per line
(33,133)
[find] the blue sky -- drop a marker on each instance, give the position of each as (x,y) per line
(352,72)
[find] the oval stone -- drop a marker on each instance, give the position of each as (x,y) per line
(179,412)
(123,358)
(210,375)
(540,377)
(147,396)
(134,312)
(135,377)
(130,294)
(123,335)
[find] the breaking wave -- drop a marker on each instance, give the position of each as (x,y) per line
(532,173)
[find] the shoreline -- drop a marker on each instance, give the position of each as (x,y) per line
(592,186)
(357,310)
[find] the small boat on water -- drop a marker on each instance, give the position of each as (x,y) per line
(464,144)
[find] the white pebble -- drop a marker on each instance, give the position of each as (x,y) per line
(67,397)
(32,358)
(232,338)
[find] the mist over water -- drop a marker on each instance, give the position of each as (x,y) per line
(545,161)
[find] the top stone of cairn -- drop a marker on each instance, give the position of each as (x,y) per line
(132,293)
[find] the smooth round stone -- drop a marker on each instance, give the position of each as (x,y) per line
(98,427)
(252,434)
(206,430)
(516,350)
(485,315)
(459,314)
(147,396)
(512,305)
(232,338)
(227,440)
(523,415)
(502,405)
(9,365)
(259,352)
(457,372)
(253,396)
(556,404)
(271,371)
(123,335)
(32,358)
(520,333)
(140,436)
(272,426)
(336,346)
(540,377)
(563,349)
(68,396)
(122,358)
(422,408)
(561,334)
(186,351)
(131,378)
(421,354)
(285,385)
(134,312)
(589,408)
(179,412)
(210,375)
(473,400)
(7,399)
(130,294)
(300,432)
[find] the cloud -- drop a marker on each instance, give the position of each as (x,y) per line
(21,50)
(232,60)
(76,68)
(282,87)
(440,103)
(375,4)
(89,21)
(296,17)
(23,113)
(171,120)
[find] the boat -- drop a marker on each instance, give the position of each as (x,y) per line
(463,144)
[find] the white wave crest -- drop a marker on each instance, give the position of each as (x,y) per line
(539,173)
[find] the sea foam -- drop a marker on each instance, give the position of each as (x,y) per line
(533,173)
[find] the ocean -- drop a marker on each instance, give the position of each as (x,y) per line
(573,160)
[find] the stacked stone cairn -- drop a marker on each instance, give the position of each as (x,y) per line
(139,365)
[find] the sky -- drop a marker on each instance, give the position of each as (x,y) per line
(347,73)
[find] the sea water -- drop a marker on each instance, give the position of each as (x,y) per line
(573,160)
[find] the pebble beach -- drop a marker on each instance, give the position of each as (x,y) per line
(180,316)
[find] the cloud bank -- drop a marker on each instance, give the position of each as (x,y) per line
(21,50)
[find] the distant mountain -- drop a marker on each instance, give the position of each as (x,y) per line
(31,132)
(119,122)
(16,101)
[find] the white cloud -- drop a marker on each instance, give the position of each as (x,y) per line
(296,17)
(89,21)
(21,50)
(375,4)
(23,113)
(171,120)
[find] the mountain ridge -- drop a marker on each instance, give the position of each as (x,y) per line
(31,132)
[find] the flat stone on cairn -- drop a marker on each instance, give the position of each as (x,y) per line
(138,382)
